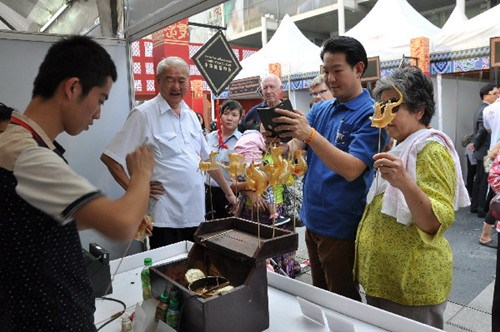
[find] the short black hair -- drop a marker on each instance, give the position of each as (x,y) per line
(486,89)
(231,105)
(74,56)
(351,47)
(5,112)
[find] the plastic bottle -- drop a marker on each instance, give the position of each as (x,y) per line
(173,313)
(161,309)
(145,279)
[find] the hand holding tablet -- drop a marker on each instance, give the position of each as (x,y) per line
(267,114)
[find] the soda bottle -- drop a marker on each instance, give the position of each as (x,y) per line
(145,279)
(173,313)
(161,308)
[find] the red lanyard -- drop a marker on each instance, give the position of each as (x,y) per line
(27,126)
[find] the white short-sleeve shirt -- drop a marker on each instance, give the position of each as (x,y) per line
(179,145)
(491,121)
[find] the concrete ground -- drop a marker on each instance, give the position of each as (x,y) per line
(469,304)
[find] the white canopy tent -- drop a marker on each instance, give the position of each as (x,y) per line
(457,18)
(473,33)
(289,47)
(455,96)
(387,29)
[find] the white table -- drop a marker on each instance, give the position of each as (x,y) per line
(284,309)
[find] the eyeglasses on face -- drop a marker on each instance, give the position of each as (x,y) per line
(315,94)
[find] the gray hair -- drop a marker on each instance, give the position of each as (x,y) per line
(171,62)
(274,77)
(320,79)
(416,88)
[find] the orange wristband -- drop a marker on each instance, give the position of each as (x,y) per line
(310,138)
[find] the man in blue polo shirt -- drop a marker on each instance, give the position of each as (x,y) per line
(340,145)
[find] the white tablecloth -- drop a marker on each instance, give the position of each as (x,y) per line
(284,309)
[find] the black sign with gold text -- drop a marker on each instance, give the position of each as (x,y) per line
(217,62)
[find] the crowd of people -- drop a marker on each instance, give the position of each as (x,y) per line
(375,201)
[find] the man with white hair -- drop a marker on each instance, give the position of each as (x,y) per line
(271,91)
(171,128)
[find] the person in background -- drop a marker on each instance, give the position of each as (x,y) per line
(252,146)
(271,92)
(471,172)
(491,122)
(268,207)
(403,261)
(222,141)
(202,123)
(340,142)
(171,128)
(5,114)
(491,218)
(318,89)
(44,285)
(494,181)
(480,143)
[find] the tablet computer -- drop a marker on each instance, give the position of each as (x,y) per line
(267,114)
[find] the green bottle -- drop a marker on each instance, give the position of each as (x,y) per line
(145,279)
(173,313)
(161,309)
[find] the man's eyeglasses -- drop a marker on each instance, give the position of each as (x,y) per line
(315,94)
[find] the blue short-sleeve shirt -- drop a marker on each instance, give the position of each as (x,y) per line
(333,206)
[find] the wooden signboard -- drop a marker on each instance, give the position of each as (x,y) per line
(244,87)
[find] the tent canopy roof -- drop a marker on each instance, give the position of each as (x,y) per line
(387,29)
(473,33)
(288,47)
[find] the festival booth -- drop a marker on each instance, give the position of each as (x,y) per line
(293,306)
(460,63)
(298,61)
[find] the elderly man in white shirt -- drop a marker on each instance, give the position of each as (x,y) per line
(171,128)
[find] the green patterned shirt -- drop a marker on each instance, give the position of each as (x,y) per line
(402,263)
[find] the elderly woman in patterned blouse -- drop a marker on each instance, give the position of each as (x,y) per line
(403,261)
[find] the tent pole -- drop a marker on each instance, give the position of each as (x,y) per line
(212,103)
(341,13)
(263,23)
(439,101)
(289,81)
